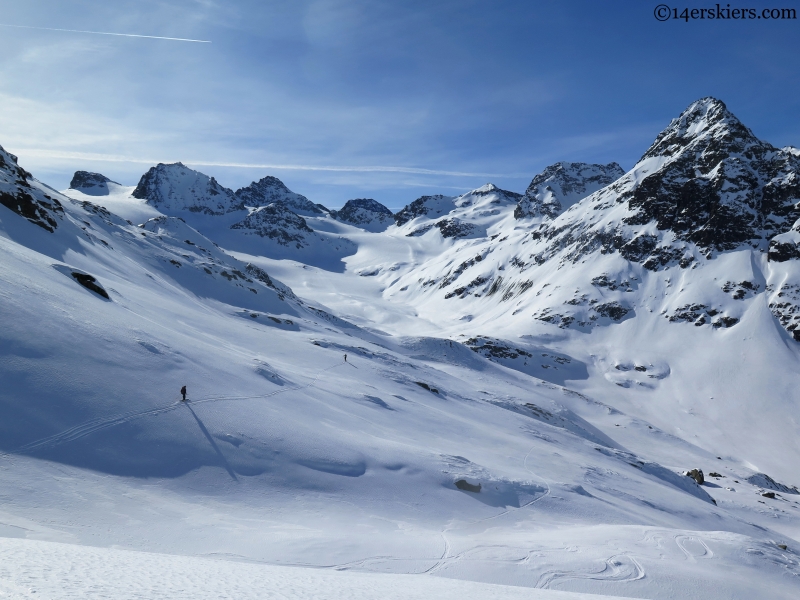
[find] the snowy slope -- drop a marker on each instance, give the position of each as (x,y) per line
(474,432)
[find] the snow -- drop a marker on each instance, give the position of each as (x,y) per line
(31,569)
(294,473)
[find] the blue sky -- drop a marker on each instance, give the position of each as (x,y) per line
(444,96)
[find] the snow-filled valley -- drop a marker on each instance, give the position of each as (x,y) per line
(496,394)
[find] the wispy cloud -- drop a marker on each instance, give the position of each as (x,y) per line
(131,35)
(59,154)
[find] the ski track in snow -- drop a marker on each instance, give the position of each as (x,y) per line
(618,568)
(446,559)
(693,547)
(93,426)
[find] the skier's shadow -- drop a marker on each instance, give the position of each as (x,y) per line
(213,443)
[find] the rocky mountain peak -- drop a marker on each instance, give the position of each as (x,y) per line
(705,123)
(268,190)
(489,189)
(366,213)
(711,182)
(562,185)
(429,206)
(176,187)
(92,184)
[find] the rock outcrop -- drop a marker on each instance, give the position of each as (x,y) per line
(20,193)
(91,184)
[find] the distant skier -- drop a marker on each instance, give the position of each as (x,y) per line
(345,358)
(183,393)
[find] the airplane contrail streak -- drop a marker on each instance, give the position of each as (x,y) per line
(133,35)
(43,153)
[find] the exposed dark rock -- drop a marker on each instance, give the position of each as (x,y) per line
(491,348)
(612,310)
(90,283)
(425,386)
(423,206)
(454,228)
(366,213)
(697,475)
(93,184)
(781,252)
(561,185)
(456,273)
(768,494)
(269,190)
(701,314)
(276,222)
(462,484)
(19,196)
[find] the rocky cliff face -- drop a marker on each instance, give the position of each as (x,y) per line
(20,193)
(176,188)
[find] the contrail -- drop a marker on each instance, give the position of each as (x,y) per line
(198,163)
(133,35)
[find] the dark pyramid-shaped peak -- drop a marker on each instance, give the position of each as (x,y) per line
(263,185)
(705,124)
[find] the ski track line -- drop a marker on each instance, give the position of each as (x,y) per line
(681,540)
(614,564)
(446,558)
(101,423)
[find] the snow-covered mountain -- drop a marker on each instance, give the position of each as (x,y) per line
(175,188)
(92,184)
(706,193)
(462,395)
(563,184)
(269,190)
(365,213)
(465,216)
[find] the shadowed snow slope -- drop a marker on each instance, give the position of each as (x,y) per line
(465,395)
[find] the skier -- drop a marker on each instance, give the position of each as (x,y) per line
(183,393)
(345,358)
